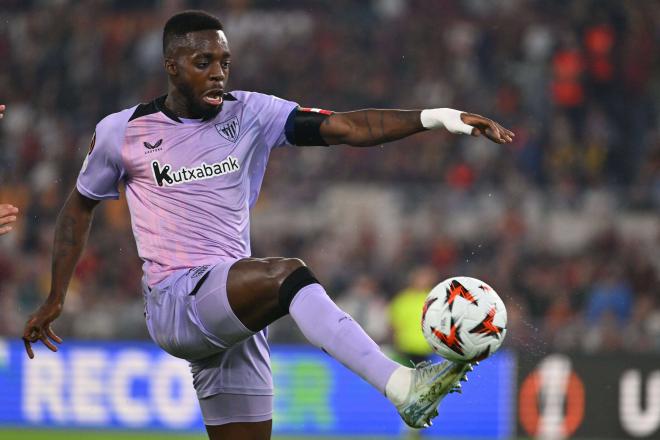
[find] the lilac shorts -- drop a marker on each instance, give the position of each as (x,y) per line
(188,315)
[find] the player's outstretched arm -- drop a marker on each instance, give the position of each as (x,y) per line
(71,231)
(363,128)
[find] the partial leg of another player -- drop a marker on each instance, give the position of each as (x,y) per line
(261,291)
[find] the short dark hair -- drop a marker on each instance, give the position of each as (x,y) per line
(188,21)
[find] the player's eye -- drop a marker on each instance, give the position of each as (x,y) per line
(226,64)
(202,64)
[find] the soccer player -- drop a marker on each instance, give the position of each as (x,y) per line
(7,212)
(192,162)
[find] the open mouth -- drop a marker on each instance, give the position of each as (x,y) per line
(213,97)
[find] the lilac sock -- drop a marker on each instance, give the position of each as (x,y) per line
(328,327)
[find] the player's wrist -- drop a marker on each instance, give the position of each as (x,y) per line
(448,118)
(55,299)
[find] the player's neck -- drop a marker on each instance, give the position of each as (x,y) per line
(178,105)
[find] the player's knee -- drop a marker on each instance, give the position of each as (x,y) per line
(279,269)
(297,276)
(290,265)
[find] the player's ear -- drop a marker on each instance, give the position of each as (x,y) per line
(171,67)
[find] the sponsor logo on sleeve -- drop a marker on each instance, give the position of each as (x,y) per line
(165,176)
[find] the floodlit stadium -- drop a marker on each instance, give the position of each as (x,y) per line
(562,220)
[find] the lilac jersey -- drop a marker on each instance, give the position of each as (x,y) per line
(189,184)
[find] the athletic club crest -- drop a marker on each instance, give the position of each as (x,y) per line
(229,129)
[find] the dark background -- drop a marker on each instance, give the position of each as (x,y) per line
(563,222)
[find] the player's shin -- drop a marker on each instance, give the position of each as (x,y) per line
(328,327)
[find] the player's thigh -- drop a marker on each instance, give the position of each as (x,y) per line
(211,310)
(243,431)
(236,385)
(237,416)
(253,286)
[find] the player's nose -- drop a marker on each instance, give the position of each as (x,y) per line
(217,74)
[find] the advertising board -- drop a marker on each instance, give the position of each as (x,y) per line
(117,385)
(605,396)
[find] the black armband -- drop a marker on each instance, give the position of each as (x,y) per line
(303,126)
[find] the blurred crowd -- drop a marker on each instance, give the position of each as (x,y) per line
(564,222)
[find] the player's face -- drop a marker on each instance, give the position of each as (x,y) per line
(201,72)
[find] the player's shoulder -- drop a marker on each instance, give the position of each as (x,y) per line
(110,130)
(249,98)
(242,96)
(118,120)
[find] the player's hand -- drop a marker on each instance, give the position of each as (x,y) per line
(2,110)
(7,216)
(38,328)
(487,127)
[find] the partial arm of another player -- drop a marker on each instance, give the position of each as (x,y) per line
(71,232)
(364,128)
(7,216)
(7,212)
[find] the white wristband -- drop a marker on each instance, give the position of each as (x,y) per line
(445,117)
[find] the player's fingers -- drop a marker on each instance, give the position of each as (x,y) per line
(494,134)
(53,336)
(32,331)
(47,343)
(488,127)
(7,210)
(508,134)
(28,348)
(5,229)
(503,138)
(7,219)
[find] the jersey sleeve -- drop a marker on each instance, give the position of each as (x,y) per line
(103,169)
(273,113)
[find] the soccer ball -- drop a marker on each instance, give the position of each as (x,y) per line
(464,320)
